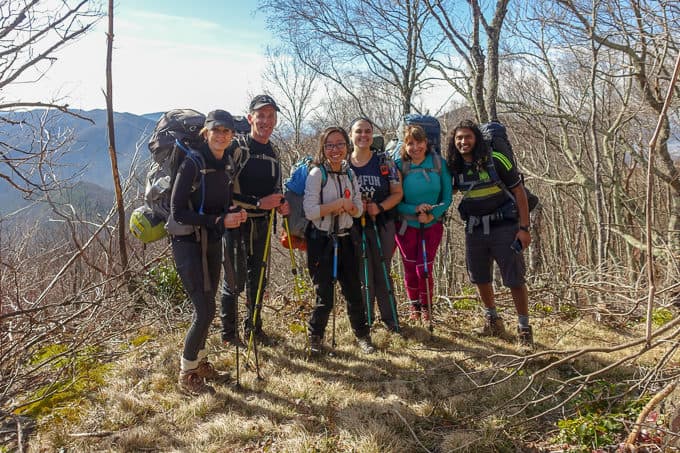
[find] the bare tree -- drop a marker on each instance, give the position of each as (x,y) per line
(344,41)
(112,143)
(293,85)
(468,69)
(31,34)
(644,34)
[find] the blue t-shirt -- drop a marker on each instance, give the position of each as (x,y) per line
(375,185)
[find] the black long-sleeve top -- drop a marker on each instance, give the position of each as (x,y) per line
(216,193)
(259,177)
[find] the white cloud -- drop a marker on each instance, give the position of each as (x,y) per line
(160,62)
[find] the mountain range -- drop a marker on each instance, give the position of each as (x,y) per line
(87,158)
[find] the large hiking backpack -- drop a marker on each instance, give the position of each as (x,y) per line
(174,139)
(430,125)
(496,136)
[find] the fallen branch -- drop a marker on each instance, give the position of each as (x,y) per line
(411,430)
(629,446)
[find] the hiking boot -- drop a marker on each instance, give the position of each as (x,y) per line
(192,383)
(525,338)
(493,327)
(315,345)
(365,345)
(207,371)
(414,312)
(425,310)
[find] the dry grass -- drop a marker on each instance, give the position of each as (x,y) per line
(414,394)
(452,392)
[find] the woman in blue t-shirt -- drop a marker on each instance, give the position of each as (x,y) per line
(381,191)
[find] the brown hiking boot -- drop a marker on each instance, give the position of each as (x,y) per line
(192,383)
(525,338)
(493,327)
(207,371)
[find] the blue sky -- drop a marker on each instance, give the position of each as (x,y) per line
(203,54)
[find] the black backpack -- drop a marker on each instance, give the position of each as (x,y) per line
(496,137)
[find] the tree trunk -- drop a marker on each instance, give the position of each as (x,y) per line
(112,147)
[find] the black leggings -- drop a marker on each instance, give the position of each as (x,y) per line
(189,264)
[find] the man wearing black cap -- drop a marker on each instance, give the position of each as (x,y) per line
(257,188)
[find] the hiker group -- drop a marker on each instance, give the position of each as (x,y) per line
(216,187)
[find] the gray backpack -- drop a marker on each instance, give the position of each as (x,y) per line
(174,139)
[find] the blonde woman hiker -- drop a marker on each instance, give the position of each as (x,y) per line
(200,216)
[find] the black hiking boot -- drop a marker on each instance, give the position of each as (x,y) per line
(261,337)
(232,341)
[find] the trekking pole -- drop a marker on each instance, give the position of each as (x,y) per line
(426,275)
(260,284)
(294,269)
(386,275)
(239,244)
(364,256)
(334,237)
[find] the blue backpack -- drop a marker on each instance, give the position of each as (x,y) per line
(430,125)
(294,191)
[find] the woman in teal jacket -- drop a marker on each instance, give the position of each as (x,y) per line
(427,195)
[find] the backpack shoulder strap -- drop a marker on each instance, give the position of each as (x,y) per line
(241,153)
(405,168)
(493,173)
(436,162)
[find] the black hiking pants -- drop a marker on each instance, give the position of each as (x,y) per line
(245,247)
(378,285)
(320,265)
(189,264)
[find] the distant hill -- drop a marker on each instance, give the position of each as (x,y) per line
(88,152)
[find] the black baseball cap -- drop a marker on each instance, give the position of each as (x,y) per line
(261,100)
(219,118)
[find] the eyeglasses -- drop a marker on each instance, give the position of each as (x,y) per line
(332,146)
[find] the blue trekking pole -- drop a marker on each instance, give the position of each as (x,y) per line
(426,274)
(334,237)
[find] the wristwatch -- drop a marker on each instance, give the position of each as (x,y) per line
(524,228)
